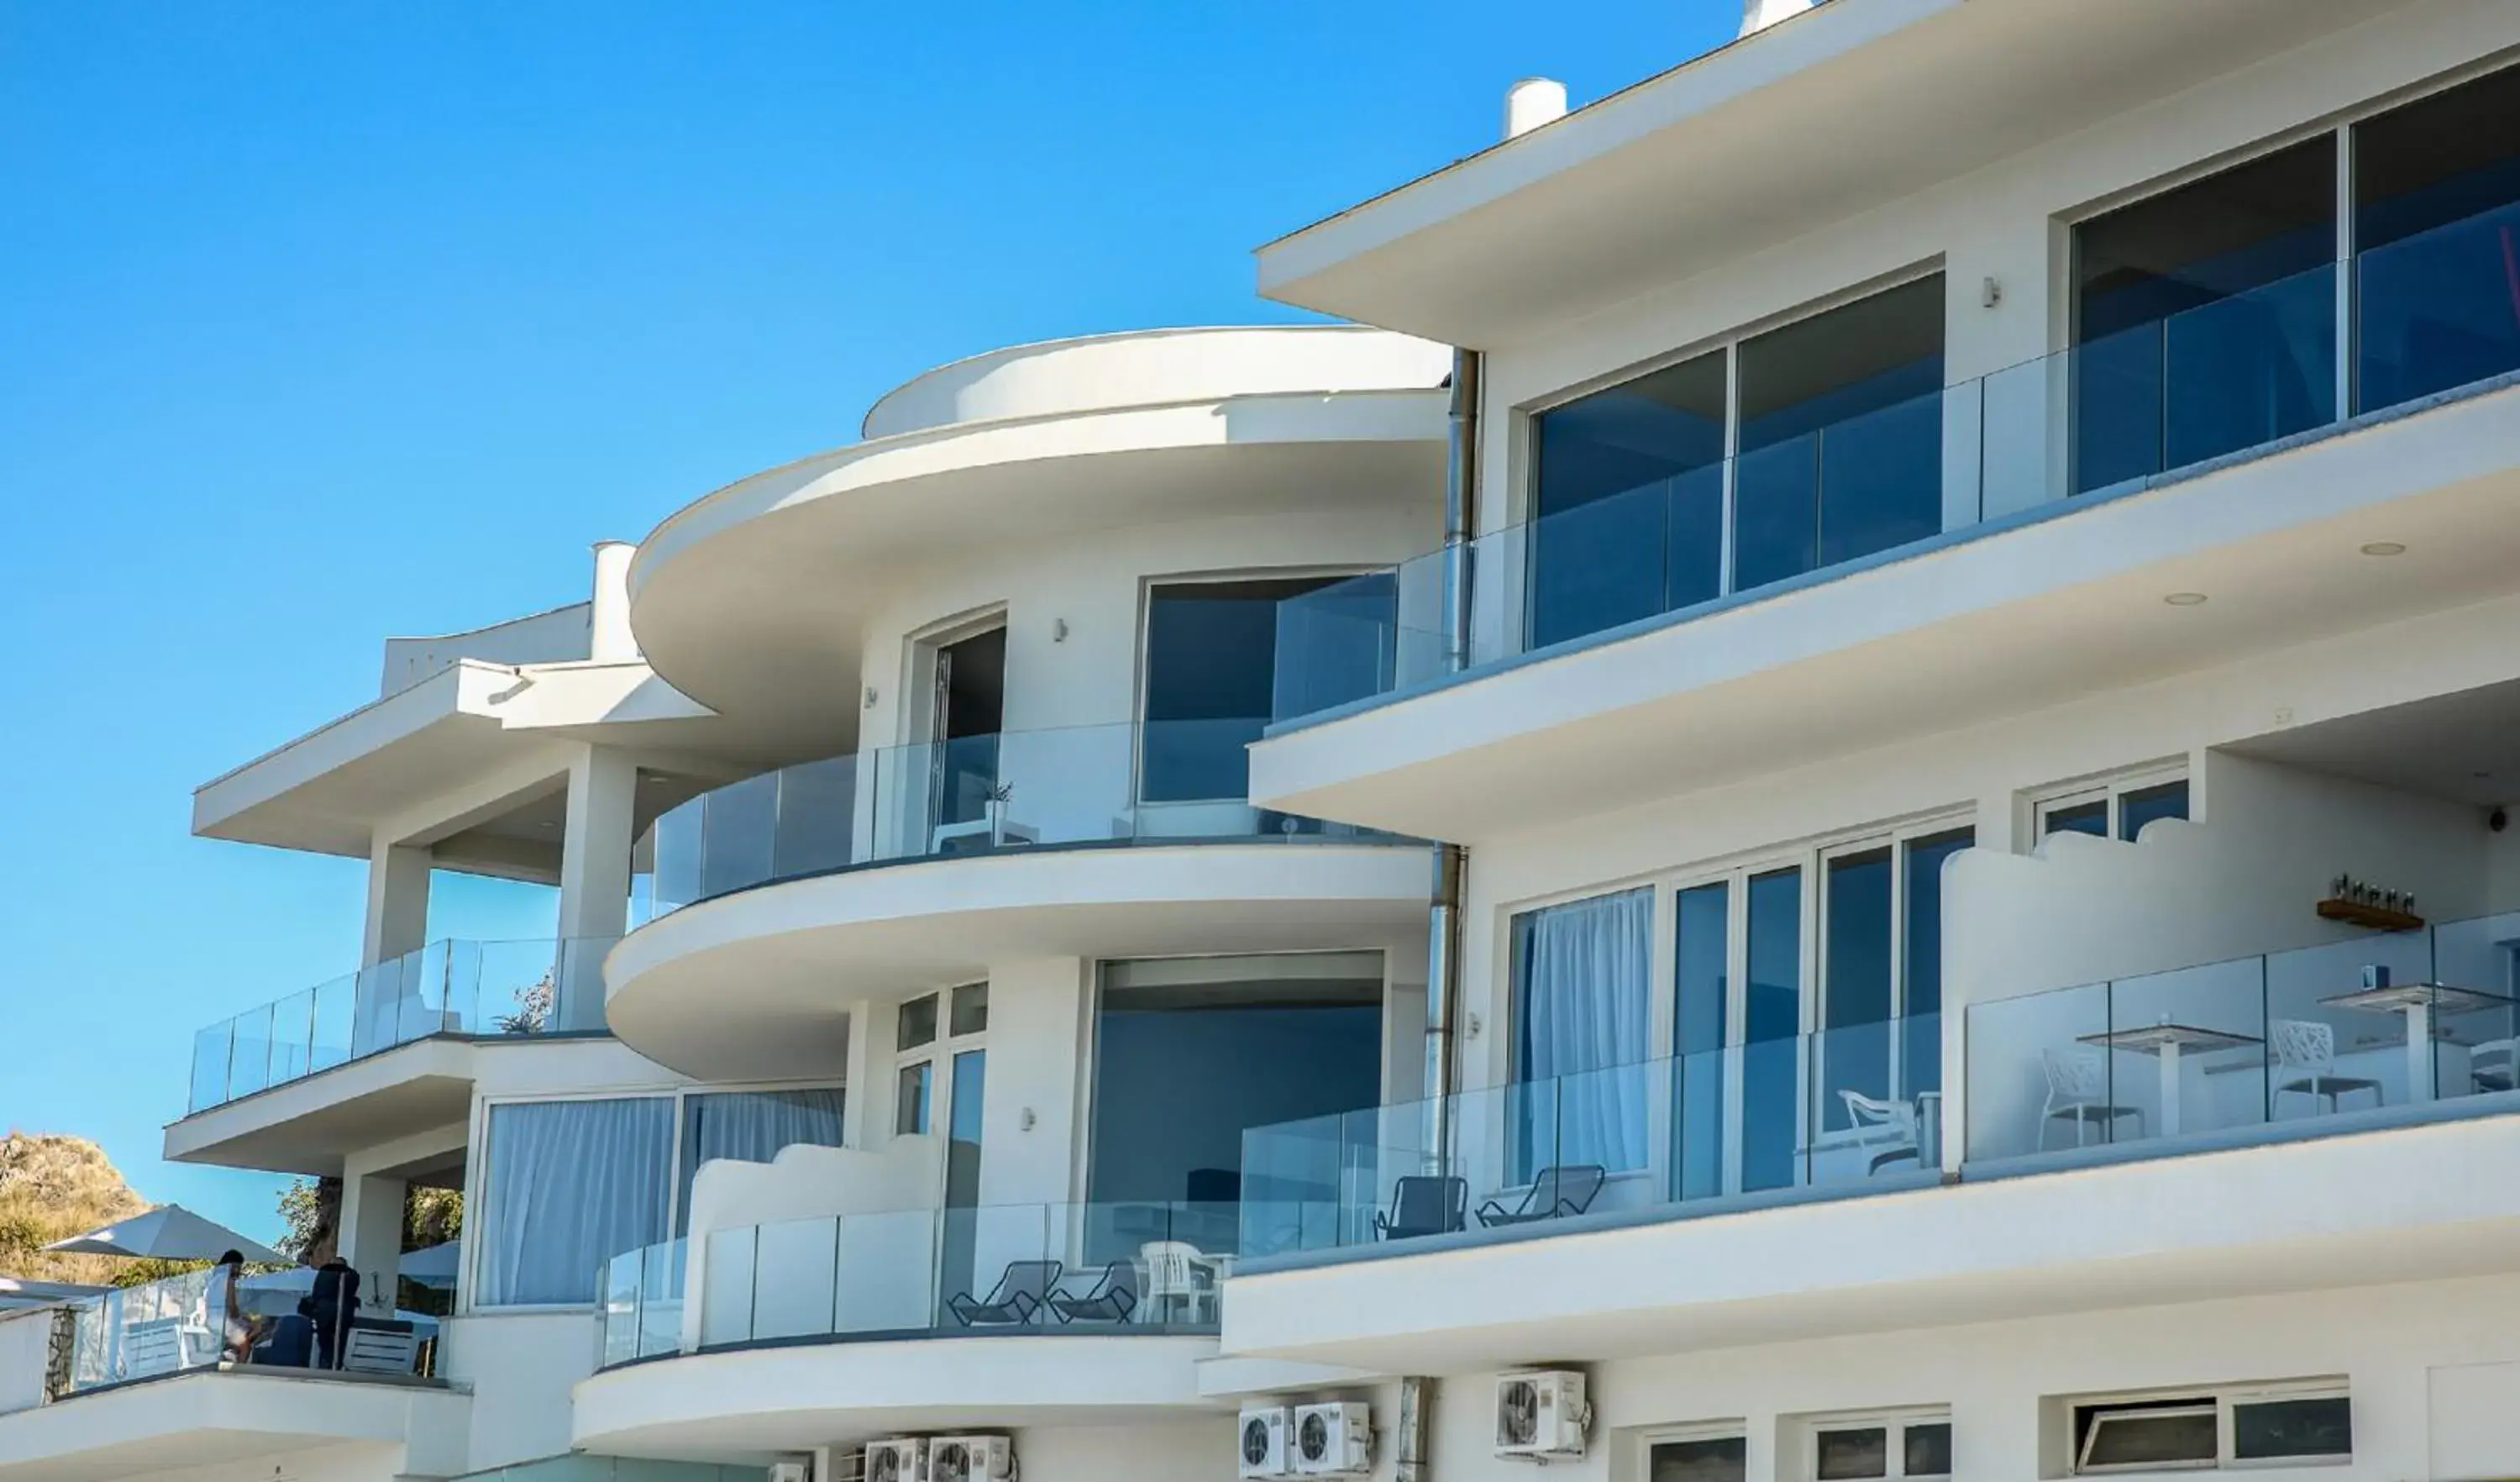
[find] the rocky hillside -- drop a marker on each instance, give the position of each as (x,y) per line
(52,1188)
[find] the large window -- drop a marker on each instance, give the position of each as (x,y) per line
(1211,675)
(2436,206)
(1832,426)
(753,1127)
(1582,1003)
(1191,1053)
(2205,317)
(1832,1048)
(568,1185)
(2287,1424)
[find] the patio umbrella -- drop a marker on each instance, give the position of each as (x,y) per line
(168,1232)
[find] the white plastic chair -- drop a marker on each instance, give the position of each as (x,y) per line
(2306,1063)
(2495,1065)
(1175,1273)
(2077,1087)
(1897,1121)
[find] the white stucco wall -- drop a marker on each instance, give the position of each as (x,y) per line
(520,1367)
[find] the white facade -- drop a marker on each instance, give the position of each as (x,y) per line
(1979,714)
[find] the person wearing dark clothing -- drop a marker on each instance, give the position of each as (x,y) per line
(330,1307)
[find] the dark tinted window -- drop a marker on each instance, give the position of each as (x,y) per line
(2267,1429)
(1722,1459)
(1628,495)
(2205,317)
(2436,206)
(2147,1433)
(1841,436)
(1929,1450)
(2091,818)
(2144,804)
(1211,673)
(1843,1456)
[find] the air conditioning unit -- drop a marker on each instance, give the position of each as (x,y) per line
(970,1458)
(902,1460)
(1541,1414)
(1334,1440)
(1261,1449)
(792,1472)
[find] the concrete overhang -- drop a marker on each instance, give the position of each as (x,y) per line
(1815,120)
(755,984)
(2043,609)
(2403,1205)
(311,1125)
(199,1419)
(751,1403)
(774,576)
(472,743)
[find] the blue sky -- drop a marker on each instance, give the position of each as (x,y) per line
(320,324)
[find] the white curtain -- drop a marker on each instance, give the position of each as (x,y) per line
(752,1125)
(1581,1002)
(570,1186)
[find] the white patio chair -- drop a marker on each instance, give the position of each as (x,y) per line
(1890,1126)
(2495,1065)
(2305,1064)
(2078,1088)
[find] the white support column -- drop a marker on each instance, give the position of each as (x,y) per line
(609,637)
(866,1104)
(371,1240)
(398,902)
(593,879)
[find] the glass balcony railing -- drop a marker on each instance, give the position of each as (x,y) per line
(1156,782)
(183,1325)
(2431,312)
(1848,1106)
(2394,1020)
(1122,1267)
(449,987)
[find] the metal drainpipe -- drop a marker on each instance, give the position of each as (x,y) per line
(1416,1398)
(1444,916)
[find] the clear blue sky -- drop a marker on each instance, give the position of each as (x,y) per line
(323,323)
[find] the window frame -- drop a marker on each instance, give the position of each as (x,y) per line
(936,1053)
(1895,1452)
(2224,1401)
(2111,787)
(1683,1433)
(1735,872)
(1525,419)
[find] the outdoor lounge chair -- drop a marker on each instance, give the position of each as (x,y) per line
(1556,1192)
(1114,1296)
(1019,1295)
(1423,1205)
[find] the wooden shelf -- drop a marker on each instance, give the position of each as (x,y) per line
(2377,917)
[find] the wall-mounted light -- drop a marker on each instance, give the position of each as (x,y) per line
(868,700)
(1027,1120)
(1059,630)
(1991,292)
(2384,548)
(2185,599)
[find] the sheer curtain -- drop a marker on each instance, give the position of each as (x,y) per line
(570,1184)
(752,1125)
(1583,1001)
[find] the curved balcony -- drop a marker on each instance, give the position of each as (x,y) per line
(829,1327)
(1078,787)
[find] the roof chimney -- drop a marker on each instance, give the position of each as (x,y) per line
(1758,15)
(1531,103)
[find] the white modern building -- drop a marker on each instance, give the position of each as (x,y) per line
(1935,585)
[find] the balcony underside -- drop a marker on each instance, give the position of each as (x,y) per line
(749,1403)
(308,1126)
(2040,610)
(201,1419)
(2398,1204)
(755,984)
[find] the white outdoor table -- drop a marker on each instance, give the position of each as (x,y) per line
(2166,1043)
(2420,1003)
